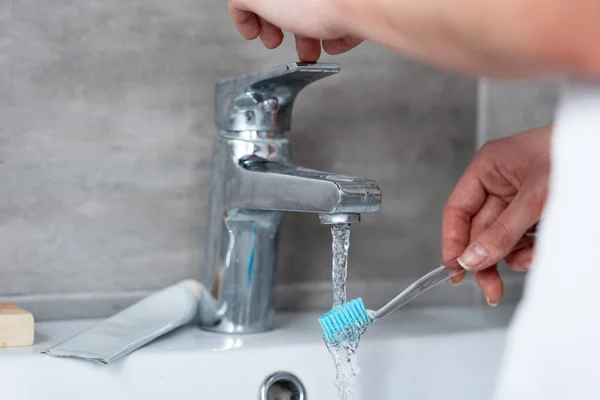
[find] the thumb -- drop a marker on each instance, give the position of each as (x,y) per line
(502,235)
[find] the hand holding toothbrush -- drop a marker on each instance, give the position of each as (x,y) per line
(498,200)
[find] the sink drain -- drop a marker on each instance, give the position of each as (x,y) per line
(282,386)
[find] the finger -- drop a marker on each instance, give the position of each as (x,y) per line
(520,260)
(500,238)
(270,35)
(457,280)
(341,45)
(245,21)
(491,284)
(466,200)
(457,272)
(487,214)
(309,50)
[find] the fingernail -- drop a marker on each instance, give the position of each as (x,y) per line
(456,283)
(474,256)
(490,302)
(524,266)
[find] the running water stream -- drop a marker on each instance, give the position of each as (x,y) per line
(340,234)
(344,353)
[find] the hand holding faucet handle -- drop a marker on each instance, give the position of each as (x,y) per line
(494,37)
(322,28)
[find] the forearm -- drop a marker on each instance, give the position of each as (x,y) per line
(487,37)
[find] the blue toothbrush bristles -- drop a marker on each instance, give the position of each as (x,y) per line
(346,322)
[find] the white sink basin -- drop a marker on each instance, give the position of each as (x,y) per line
(416,354)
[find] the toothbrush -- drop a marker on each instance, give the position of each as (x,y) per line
(351,319)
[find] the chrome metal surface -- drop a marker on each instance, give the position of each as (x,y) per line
(263,101)
(282,386)
(254,180)
(331,219)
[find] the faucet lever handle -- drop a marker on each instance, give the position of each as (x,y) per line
(263,101)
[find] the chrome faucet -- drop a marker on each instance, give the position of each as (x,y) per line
(254,181)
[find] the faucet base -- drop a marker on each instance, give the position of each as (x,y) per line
(242,280)
(228,327)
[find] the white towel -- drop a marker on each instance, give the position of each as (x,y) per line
(553,349)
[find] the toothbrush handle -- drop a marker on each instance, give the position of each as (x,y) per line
(434,278)
(437,276)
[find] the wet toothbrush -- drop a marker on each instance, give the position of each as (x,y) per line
(351,319)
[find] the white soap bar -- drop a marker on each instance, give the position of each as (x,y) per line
(16,326)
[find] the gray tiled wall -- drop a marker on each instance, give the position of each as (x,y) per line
(506,108)
(105,132)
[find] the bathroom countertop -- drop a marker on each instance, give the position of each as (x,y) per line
(297,328)
(397,357)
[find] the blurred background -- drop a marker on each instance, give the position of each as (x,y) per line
(106,126)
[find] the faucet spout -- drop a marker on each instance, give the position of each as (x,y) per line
(273,185)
